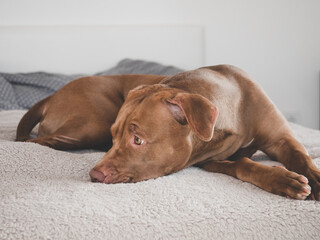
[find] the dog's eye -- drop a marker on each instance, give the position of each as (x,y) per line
(137,140)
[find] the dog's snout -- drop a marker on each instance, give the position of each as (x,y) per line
(96,176)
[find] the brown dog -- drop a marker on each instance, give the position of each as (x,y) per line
(213,117)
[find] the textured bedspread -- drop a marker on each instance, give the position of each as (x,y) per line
(47,194)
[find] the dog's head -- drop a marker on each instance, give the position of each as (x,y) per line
(153,134)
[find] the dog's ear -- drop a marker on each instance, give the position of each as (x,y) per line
(197,111)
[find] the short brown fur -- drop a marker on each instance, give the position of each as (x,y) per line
(213,117)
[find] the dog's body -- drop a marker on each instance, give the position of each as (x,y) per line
(213,117)
(81,113)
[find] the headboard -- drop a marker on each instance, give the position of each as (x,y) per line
(88,49)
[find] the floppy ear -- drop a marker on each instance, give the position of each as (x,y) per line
(197,111)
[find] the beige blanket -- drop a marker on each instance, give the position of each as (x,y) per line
(47,194)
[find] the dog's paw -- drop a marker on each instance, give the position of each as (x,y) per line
(313,175)
(289,184)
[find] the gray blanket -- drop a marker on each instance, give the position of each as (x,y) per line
(23,90)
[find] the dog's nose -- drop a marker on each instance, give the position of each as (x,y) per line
(96,176)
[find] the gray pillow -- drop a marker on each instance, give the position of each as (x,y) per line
(23,90)
(129,66)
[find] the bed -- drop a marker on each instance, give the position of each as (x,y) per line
(47,194)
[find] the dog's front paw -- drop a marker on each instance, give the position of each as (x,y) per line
(313,176)
(289,184)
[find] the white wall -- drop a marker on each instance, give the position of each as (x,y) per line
(277,41)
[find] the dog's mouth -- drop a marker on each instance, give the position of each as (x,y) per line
(109,176)
(112,179)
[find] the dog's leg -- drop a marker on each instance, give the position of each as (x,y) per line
(58,142)
(294,157)
(277,180)
(243,152)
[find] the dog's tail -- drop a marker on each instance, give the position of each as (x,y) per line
(30,120)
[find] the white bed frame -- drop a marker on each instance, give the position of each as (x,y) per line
(89,49)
